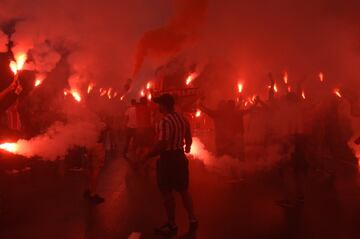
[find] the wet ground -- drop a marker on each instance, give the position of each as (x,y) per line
(38,203)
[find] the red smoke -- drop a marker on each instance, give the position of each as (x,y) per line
(171,38)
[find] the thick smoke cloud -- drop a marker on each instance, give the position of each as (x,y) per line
(175,35)
(3,42)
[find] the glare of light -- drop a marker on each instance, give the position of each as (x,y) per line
(9,147)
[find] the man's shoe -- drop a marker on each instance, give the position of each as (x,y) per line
(96,199)
(166,230)
(193,225)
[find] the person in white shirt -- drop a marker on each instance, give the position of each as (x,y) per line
(130,126)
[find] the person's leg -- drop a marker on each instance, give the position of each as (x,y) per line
(128,137)
(169,204)
(188,204)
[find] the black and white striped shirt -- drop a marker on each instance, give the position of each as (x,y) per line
(175,130)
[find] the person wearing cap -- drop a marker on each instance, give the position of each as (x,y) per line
(173,133)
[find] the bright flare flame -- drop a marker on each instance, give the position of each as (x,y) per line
(286,79)
(337,93)
(289,88)
(76,95)
(37,83)
(13,67)
(122,97)
(142,93)
(10,147)
(240,87)
(90,88)
(190,78)
(275,88)
(149,97)
(39,80)
(303,95)
(321,77)
(148,85)
(20,61)
(198,113)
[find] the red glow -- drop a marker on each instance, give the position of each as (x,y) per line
(10,147)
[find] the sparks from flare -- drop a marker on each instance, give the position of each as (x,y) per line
(9,147)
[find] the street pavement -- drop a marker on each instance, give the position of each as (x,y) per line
(38,203)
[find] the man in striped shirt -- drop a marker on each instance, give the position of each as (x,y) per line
(172,168)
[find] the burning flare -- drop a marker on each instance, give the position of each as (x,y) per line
(190,78)
(18,64)
(303,95)
(286,79)
(10,147)
(76,95)
(142,93)
(39,80)
(276,88)
(198,113)
(337,92)
(240,87)
(90,88)
(321,77)
(149,97)
(148,85)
